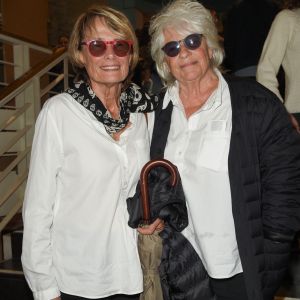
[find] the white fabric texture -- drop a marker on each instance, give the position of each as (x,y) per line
(282,47)
(199,146)
(76,238)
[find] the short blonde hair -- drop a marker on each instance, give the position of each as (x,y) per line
(115,20)
(186,17)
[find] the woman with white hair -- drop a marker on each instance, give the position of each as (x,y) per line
(236,151)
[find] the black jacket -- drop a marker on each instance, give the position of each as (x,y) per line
(264,173)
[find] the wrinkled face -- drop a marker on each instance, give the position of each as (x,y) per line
(107,69)
(189,65)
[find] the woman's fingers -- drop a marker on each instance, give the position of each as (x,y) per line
(157,225)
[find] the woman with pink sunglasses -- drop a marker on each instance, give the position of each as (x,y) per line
(89,147)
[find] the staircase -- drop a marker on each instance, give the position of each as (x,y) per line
(29,74)
(13,285)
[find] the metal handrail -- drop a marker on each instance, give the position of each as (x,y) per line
(18,112)
(19,157)
(16,56)
(24,81)
(15,186)
(17,136)
(13,39)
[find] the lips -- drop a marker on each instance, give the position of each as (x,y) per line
(110,68)
(188,64)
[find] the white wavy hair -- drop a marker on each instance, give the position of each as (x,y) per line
(187,17)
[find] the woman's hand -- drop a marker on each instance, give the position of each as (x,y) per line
(157,225)
(57,298)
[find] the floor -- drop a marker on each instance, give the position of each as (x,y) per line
(290,289)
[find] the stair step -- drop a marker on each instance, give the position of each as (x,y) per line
(16,223)
(11,267)
(5,160)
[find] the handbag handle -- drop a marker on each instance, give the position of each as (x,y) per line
(144,183)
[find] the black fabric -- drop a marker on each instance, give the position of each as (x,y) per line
(166,202)
(264,173)
(232,288)
(278,236)
(182,273)
(161,129)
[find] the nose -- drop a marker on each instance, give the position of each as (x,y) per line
(184,51)
(109,52)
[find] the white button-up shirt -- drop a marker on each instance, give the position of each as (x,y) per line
(199,146)
(76,237)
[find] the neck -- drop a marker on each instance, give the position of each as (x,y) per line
(196,93)
(109,95)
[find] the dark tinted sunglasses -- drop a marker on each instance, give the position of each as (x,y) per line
(192,42)
(98,47)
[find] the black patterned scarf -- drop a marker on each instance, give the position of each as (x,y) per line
(133,99)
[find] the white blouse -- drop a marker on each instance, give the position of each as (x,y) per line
(76,238)
(199,147)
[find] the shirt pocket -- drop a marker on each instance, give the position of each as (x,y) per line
(213,151)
